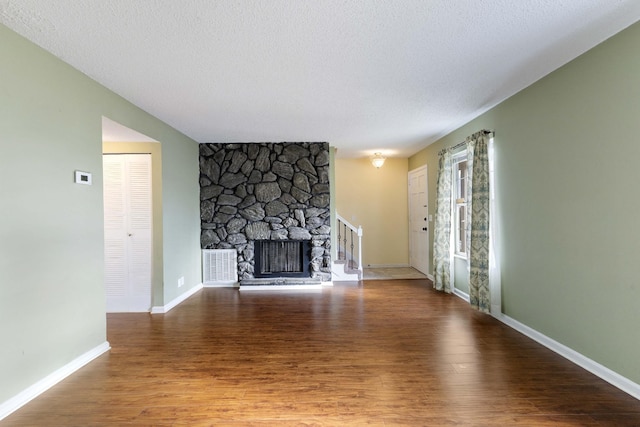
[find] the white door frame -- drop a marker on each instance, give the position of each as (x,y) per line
(128,241)
(419,223)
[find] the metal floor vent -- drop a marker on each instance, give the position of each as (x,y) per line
(219,266)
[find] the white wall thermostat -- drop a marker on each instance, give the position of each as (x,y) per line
(83,178)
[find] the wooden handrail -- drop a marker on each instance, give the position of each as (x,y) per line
(343,226)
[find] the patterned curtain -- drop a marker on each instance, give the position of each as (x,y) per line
(442,228)
(479,199)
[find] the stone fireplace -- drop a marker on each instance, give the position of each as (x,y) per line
(270,202)
(281,258)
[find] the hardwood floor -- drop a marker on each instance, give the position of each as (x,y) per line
(386,353)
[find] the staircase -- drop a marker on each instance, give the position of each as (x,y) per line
(348,266)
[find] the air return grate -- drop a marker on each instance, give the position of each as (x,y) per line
(219,267)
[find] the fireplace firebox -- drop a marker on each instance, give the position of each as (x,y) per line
(281,258)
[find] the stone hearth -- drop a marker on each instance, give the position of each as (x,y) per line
(266,191)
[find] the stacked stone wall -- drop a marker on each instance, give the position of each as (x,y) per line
(266,191)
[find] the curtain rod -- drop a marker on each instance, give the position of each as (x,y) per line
(460,144)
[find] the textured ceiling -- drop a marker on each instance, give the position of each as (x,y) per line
(364,75)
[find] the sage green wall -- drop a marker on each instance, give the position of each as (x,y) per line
(566,165)
(181,215)
(52,300)
(332,202)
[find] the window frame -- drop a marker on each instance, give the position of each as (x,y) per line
(459,202)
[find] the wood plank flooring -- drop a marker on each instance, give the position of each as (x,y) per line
(385,353)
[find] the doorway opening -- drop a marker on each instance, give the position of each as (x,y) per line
(147,265)
(127,232)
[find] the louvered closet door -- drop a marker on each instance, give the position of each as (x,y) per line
(127,231)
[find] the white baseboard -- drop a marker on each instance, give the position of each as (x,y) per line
(457,292)
(579,359)
(230,284)
(50,380)
(329,283)
(430,277)
(276,288)
(161,309)
(386,265)
(592,366)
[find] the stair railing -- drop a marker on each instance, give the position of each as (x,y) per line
(349,242)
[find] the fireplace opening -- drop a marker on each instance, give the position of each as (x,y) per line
(281,258)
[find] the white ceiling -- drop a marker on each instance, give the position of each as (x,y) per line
(364,75)
(115,132)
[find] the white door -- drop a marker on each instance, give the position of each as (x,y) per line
(418,220)
(127,232)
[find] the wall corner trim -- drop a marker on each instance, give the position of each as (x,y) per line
(161,309)
(30,393)
(579,359)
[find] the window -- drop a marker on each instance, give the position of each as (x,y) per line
(460,177)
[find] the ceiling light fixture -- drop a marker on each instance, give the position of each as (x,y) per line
(377,160)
